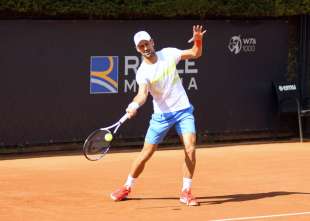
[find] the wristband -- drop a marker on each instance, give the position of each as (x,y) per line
(198,43)
(133,106)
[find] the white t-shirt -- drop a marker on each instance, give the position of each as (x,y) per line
(164,82)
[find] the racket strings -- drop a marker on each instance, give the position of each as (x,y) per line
(96,146)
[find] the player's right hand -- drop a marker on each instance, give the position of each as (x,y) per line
(132,109)
(131,112)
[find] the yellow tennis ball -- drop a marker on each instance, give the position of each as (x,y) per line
(108,137)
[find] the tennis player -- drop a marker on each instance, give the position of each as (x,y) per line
(158,76)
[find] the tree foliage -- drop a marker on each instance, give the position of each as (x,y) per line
(150,9)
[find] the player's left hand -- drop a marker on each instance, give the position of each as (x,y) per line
(198,32)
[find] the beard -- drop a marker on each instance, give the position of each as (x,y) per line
(148,53)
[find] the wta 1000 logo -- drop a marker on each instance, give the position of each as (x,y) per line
(238,44)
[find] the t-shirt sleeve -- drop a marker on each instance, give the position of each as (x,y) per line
(175,53)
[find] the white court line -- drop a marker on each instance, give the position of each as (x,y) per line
(262,217)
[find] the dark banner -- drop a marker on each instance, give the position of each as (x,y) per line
(62,79)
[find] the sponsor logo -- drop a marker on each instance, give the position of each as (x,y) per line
(104,74)
(291,87)
(235,44)
(186,70)
(238,44)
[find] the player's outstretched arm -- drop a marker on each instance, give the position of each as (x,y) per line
(138,100)
(196,50)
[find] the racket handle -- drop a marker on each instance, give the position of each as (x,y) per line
(124,118)
(190,40)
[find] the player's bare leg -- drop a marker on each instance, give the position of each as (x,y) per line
(139,164)
(136,169)
(189,141)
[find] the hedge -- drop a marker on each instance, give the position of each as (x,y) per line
(146,9)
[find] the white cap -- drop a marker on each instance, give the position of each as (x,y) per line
(141,35)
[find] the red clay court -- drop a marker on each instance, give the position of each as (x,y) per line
(245,182)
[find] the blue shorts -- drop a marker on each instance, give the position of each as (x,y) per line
(160,123)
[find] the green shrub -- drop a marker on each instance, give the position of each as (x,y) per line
(146,9)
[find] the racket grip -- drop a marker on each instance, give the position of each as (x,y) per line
(190,40)
(124,118)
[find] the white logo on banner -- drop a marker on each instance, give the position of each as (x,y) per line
(291,87)
(235,44)
(239,44)
(186,72)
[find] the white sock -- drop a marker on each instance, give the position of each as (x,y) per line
(129,182)
(187,184)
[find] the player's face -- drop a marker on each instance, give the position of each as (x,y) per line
(146,48)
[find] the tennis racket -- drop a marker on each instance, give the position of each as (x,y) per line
(99,141)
